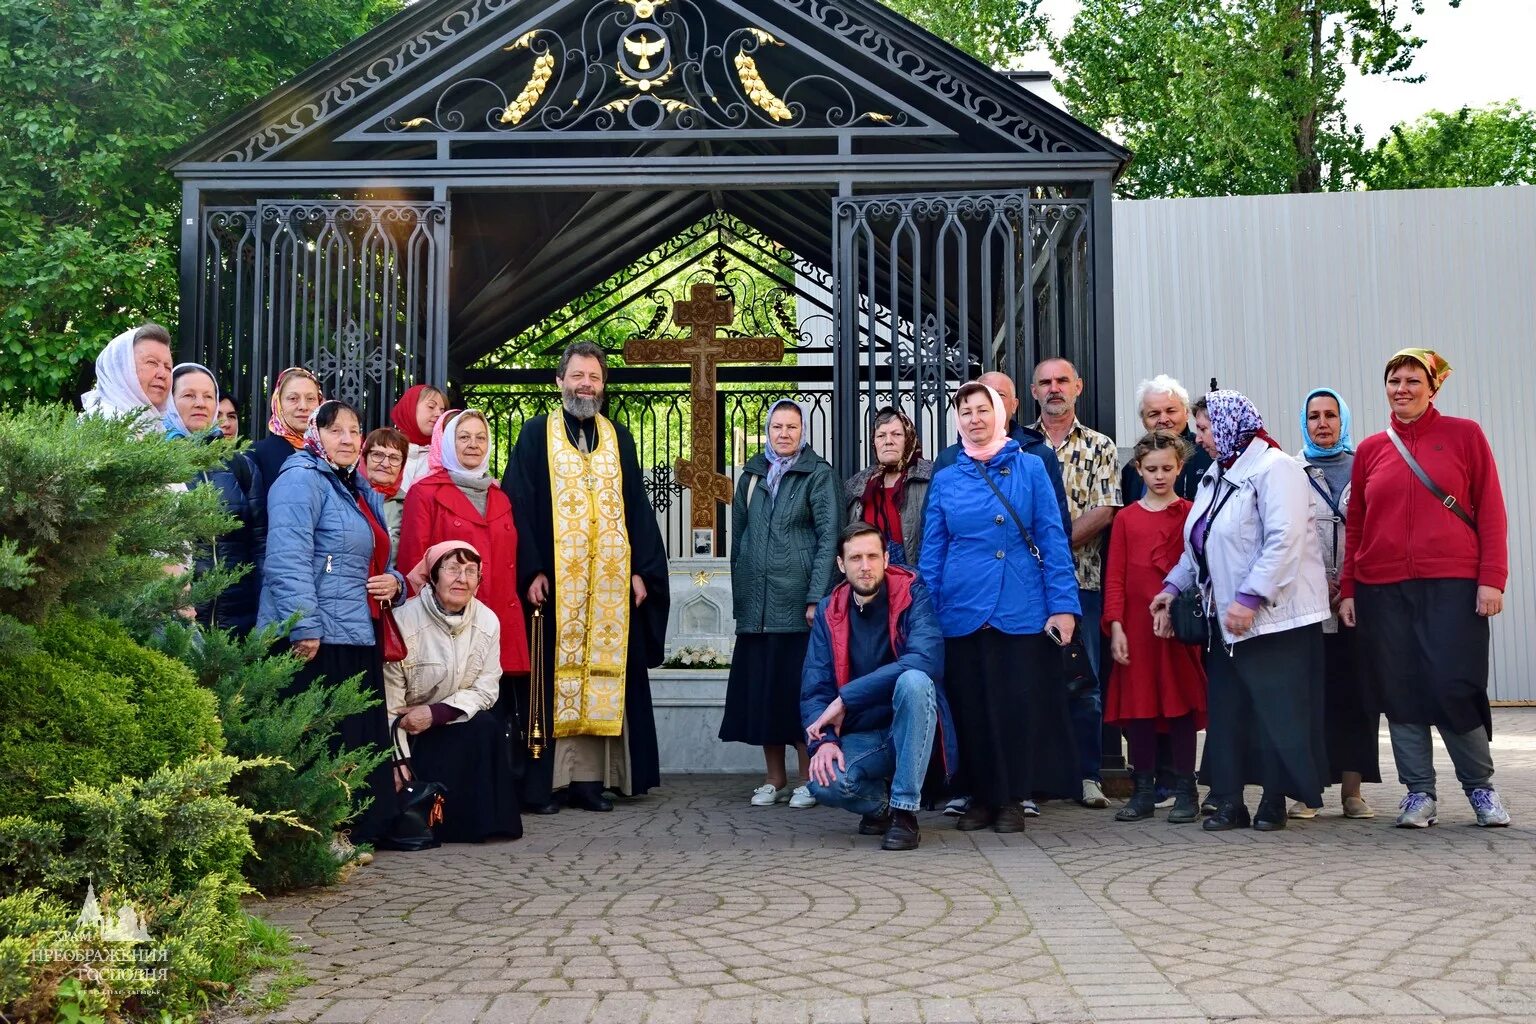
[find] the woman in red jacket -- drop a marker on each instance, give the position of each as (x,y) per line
(1425,562)
(459,500)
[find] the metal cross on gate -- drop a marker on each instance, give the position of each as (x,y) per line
(704,350)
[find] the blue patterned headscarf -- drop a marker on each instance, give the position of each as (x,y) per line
(1345,443)
(1234,423)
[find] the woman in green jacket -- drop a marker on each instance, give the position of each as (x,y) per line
(785,520)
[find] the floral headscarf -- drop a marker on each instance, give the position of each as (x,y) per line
(1345,443)
(1234,424)
(276,424)
(910,453)
(1433,362)
(174,425)
(314,444)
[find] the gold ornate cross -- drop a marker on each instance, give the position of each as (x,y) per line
(704,350)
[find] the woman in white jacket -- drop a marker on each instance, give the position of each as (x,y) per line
(1250,545)
(444,692)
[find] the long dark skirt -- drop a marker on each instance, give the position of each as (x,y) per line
(335,663)
(1265,712)
(1425,650)
(1011,717)
(471,759)
(1351,725)
(762,697)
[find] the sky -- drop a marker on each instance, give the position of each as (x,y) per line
(1476,54)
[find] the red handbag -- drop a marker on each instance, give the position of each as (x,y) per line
(390,637)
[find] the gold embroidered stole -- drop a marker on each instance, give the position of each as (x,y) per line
(591,582)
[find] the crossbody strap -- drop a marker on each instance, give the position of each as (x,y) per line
(1448,500)
(1029,540)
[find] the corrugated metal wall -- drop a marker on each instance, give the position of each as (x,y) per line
(1275,295)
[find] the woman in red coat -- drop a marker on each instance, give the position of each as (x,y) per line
(459,500)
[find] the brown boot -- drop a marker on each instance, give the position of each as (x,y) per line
(875,824)
(977,817)
(903,834)
(1010,818)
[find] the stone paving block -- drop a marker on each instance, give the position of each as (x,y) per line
(516,1009)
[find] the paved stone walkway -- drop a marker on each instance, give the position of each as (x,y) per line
(689,907)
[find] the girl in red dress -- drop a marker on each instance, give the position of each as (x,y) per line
(1156,685)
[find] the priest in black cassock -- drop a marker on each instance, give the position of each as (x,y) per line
(590,554)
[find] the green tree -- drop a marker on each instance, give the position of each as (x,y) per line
(98,93)
(995,32)
(1232,97)
(1468,148)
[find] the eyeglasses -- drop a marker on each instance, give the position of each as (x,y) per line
(385,458)
(468,573)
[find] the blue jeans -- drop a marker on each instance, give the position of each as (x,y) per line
(893,760)
(1088,706)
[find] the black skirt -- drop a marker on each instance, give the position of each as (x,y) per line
(1012,722)
(336,663)
(1425,651)
(472,760)
(1351,725)
(762,697)
(1264,705)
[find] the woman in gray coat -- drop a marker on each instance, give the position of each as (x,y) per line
(891,494)
(785,521)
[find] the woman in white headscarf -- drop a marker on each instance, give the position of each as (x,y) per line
(133,376)
(458,500)
(785,521)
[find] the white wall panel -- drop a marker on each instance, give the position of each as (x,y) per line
(1275,295)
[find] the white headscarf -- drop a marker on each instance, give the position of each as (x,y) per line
(118,391)
(448,448)
(778,464)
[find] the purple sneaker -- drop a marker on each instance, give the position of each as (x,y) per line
(1490,809)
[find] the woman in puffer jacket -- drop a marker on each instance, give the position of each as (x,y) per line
(192,414)
(327,564)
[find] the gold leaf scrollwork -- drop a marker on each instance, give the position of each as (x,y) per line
(538,81)
(417,122)
(757,90)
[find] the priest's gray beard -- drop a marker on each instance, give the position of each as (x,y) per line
(581,408)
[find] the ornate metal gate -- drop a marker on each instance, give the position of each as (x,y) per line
(352,289)
(932,290)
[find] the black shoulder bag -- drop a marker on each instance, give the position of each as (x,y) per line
(1191,624)
(419,805)
(1448,500)
(1076,669)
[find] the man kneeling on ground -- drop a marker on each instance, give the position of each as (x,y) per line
(872,695)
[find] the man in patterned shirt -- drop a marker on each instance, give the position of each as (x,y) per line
(1092,480)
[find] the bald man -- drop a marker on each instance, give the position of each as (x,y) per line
(1031,441)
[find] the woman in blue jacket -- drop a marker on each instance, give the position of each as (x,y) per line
(193,414)
(998,566)
(327,564)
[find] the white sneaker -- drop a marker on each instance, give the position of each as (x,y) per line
(957,806)
(768,794)
(1031,809)
(1490,809)
(801,798)
(1093,795)
(1302,811)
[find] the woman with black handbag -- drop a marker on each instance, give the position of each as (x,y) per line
(1251,549)
(1425,564)
(443,692)
(996,561)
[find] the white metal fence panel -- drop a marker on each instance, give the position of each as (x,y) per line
(1275,295)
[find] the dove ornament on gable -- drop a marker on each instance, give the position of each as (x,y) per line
(645,52)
